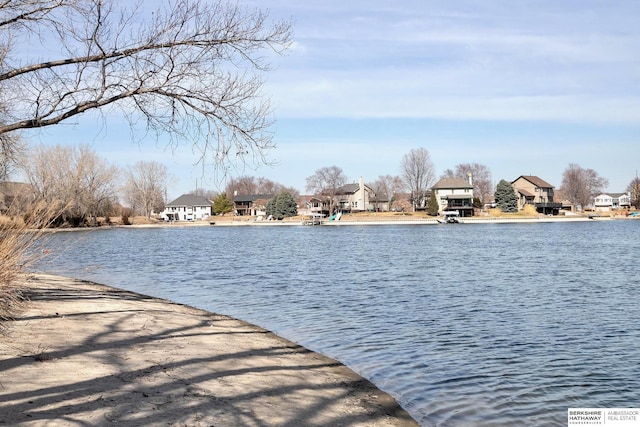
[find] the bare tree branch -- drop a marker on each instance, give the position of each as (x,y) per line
(581,185)
(190,71)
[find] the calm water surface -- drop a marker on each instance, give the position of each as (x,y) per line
(503,324)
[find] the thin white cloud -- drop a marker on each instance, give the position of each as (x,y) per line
(476,60)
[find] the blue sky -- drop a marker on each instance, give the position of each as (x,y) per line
(523,87)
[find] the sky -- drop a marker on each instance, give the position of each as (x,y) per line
(522,87)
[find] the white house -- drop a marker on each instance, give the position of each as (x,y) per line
(455,194)
(608,202)
(187,208)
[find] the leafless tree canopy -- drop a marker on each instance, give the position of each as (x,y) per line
(12,150)
(190,69)
(418,174)
(580,185)
(482,183)
(389,187)
(246,185)
(634,189)
(326,181)
(74,181)
(146,186)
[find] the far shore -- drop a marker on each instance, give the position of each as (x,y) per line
(357,219)
(384,218)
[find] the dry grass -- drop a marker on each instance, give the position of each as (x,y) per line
(14,242)
(18,242)
(527,211)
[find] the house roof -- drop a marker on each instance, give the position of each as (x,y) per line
(379,198)
(445,183)
(351,189)
(618,195)
(348,189)
(252,197)
(535,180)
(190,200)
(526,193)
(613,195)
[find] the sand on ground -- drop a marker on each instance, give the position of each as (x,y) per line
(83,354)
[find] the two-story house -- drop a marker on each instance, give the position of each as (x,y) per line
(613,201)
(356,197)
(455,194)
(251,204)
(349,198)
(533,190)
(187,207)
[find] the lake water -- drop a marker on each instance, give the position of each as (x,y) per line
(487,324)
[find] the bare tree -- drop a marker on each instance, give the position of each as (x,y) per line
(580,185)
(481,175)
(634,189)
(75,181)
(325,182)
(388,186)
(418,174)
(12,151)
(190,70)
(241,185)
(255,185)
(146,186)
(12,147)
(209,194)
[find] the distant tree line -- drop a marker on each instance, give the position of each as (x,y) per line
(83,187)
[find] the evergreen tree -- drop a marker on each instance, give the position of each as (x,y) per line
(281,206)
(506,198)
(222,204)
(432,205)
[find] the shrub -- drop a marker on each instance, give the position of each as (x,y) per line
(222,204)
(432,204)
(282,206)
(126,213)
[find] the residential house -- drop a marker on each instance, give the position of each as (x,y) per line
(251,204)
(560,196)
(380,202)
(613,201)
(316,205)
(354,198)
(350,198)
(455,194)
(533,190)
(187,207)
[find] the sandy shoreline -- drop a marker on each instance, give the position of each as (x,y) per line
(87,354)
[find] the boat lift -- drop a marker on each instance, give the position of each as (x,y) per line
(450,217)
